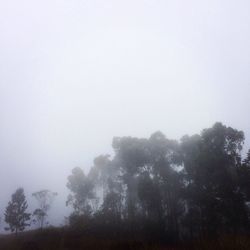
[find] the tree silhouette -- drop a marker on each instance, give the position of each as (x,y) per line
(15,213)
(166,189)
(214,200)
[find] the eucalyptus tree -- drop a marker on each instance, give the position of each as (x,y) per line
(130,155)
(81,192)
(211,160)
(45,199)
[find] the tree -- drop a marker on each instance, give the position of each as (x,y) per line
(152,182)
(131,155)
(213,196)
(15,213)
(244,176)
(82,192)
(44,199)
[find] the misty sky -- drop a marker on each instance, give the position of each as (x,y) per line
(75,73)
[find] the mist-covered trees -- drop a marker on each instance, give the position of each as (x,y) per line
(215,200)
(168,189)
(81,192)
(44,199)
(16,215)
(156,188)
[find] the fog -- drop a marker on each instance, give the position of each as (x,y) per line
(74,74)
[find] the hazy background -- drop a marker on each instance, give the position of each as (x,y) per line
(75,73)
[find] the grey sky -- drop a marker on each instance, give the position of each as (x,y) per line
(75,73)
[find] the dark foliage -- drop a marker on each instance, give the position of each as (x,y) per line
(152,194)
(164,190)
(15,213)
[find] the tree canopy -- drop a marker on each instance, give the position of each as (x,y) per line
(167,188)
(15,214)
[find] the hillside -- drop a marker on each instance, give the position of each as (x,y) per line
(65,239)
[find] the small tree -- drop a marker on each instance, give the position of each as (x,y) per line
(44,199)
(15,213)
